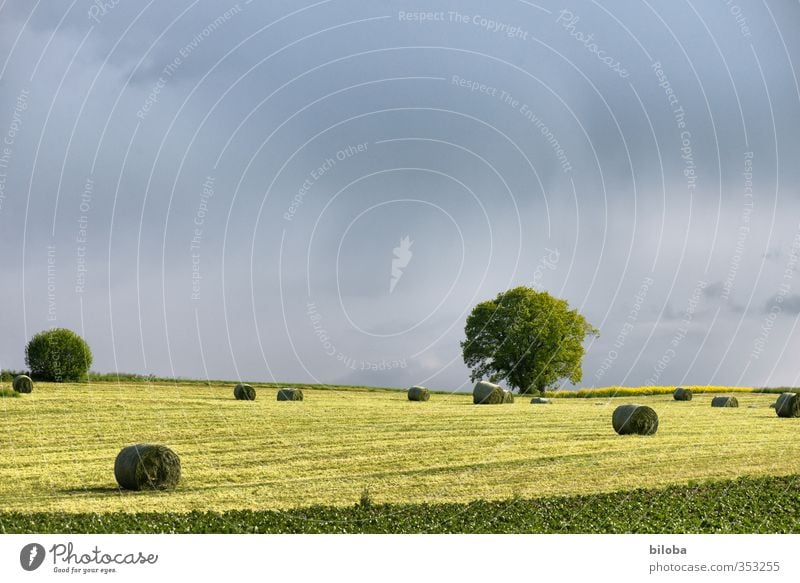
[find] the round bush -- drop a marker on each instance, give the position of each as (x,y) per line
(22,384)
(58,355)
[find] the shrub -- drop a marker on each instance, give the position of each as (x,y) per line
(8,376)
(58,355)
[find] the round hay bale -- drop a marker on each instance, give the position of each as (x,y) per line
(540,401)
(682,394)
(22,384)
(773,405)
(486,393)
(788,405)
(418,394)
(723,401)
(244,392)
(634,419)
(146,466)
(290,395)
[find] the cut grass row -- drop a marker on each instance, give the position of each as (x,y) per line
(646,391)
(263,454)
(745,505)
(135,380)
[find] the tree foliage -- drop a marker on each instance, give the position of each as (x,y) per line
(58,355)
(527,338)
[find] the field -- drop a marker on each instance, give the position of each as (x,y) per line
(61,442)
(744,505)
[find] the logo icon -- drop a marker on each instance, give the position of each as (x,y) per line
(31,556)
(401,259)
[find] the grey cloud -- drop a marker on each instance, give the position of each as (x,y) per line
(441,163)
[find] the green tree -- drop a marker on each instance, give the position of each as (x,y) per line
(527,338)
(58,355)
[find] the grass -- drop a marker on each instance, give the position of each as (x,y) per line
(8,393)
(745,505)
(644,391)
(328,449)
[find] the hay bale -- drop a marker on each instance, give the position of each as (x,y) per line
(244,392)
(22,384)
(146,466)
(290,394)
(773,405)
(540,401)
(486,393)
(682,394)
(634,419)
(788,405)
(418,394)
(723,401)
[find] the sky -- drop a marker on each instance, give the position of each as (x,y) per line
(322,191)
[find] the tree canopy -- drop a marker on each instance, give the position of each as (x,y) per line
(527,338)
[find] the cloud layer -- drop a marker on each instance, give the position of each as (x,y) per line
(219,190)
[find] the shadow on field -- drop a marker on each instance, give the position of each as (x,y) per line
(98,490)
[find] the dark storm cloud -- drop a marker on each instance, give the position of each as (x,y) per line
(225,185)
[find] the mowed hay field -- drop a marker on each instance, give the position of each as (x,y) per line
(60,443)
